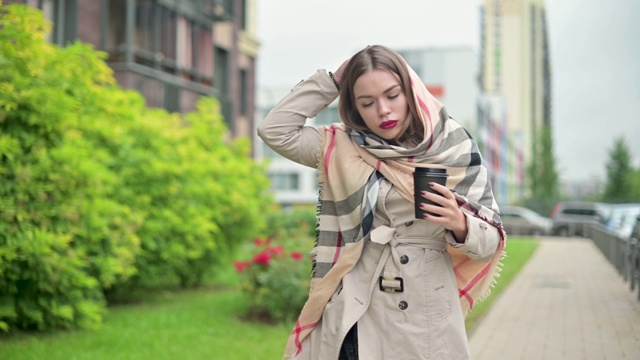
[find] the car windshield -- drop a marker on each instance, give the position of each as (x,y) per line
(621,215)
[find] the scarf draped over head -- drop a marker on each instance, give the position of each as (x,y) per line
(350,168)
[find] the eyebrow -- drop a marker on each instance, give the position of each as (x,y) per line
(386,91)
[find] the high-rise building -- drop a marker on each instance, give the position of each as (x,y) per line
(497,148)
(515,64)
(171,51)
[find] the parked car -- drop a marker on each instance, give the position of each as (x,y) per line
(622,219)
(635,229)
(519,220)
(571,218)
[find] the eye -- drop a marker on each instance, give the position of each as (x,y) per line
(367,104)
(393,96)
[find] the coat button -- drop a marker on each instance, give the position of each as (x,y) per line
(483,226)
(403,305)
(408,223)
(404,259)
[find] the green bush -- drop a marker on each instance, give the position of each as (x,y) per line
(53,183)
(292,223)
(198,195)
(98,194)
(275,281)
(275,274)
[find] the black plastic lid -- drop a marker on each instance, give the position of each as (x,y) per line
(431,170)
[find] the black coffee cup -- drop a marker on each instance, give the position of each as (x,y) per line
(421,179)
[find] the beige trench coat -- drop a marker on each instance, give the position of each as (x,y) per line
(425,320)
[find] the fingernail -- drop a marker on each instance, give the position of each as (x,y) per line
(432,184)
(423,193)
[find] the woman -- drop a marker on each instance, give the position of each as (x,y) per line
(386,285)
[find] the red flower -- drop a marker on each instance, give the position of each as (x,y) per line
(241,265)
(262,258)
(276,250)
(258,242)
(268,242)
(296,255)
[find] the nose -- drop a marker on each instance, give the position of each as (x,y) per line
(383,108)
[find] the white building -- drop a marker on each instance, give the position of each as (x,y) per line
(451,75)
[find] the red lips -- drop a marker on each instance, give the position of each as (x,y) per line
(388,124)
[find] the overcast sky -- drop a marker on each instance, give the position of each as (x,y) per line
(594,46)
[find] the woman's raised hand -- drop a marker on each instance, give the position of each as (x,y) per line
(338,73)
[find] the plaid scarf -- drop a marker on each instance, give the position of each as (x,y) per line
(351,165)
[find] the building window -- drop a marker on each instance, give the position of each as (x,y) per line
(172,98)
(244,92)
(116,35)
(168,37)
(285,181)
(204,57)
(64,16)
(163,39)
(221,69)
(243,15)
(184,45)
(328,116)
(145,16)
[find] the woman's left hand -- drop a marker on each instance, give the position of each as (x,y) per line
(451,217)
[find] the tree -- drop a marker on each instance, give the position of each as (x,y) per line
(542,174)
(619,186)
(635,186)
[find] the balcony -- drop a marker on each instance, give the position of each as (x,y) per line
(221,10)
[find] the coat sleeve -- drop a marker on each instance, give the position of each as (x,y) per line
(481,242)
(284,130)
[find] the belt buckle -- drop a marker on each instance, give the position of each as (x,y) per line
(391,288)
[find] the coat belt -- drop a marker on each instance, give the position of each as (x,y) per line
(389,265)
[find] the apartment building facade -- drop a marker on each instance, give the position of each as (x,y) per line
(515,63)
(171,51)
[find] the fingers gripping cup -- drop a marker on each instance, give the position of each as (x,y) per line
(421,179)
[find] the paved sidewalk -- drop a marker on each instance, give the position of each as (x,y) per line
(568,302)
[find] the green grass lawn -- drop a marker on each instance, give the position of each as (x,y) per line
(519,250)
(194,324)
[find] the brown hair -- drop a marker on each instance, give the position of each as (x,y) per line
(368,59)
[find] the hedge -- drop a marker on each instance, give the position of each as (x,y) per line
(100,194)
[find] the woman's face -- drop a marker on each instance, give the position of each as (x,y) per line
(381,103)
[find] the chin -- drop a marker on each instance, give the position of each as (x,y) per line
(393,137)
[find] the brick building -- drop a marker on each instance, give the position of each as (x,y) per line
(171,51)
